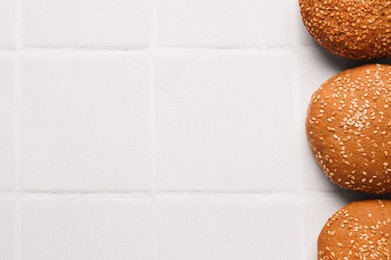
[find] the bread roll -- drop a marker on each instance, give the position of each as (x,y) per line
(348,128)
(353,29)
(360,230)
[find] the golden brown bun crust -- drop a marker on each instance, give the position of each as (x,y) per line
(360,230)
(349,128)
(353,29)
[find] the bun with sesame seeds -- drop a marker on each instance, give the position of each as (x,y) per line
(360,230)
(348,128)
(354,29)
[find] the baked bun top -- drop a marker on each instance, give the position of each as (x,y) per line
(349,128)
(360,230)
(353,29)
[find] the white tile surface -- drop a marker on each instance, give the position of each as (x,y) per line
(87,23)
(86,229)
(7,227)
(7,23)
(7,134)
(222,120)
(86,122)
(228,23)
(194,107)
(227,228)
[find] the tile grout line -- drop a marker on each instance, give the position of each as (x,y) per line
(17,115)
(297,118)
(296,47)
(160,49)
(18,129)
(299,183)
(149,194)
(152,51)
(296,99)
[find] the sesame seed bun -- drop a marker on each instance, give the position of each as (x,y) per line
(360,230)
(353,29)
(348,128)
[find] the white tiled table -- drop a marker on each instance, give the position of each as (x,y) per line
(159,129)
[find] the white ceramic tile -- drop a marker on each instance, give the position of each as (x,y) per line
(7,23)
(86,229)
(222,122)
(86,122)
(227,228)
(87,23)
(7,134)
(227,23)
(7,227)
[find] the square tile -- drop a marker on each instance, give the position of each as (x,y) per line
(8,24)
(7,227)
(87,229)
(228,23)
(7,120)
(222,122)
(227,228)
(86,123)
(87,23)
